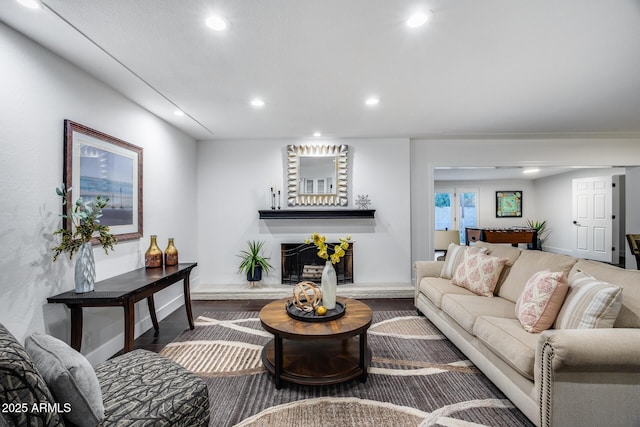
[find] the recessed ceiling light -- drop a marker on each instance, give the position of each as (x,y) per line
(257,103)
(216,23)
(372,101)
(418,19)
(179,113)
(31,4)
(317,134)
(531,170)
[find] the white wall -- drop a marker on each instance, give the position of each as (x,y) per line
(632,206)
(429,153)
(233,184)
(39,91)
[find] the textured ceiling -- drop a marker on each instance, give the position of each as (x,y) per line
(478,68)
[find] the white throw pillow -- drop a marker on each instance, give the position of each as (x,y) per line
(590,303)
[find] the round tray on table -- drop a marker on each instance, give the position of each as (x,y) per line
(333,314)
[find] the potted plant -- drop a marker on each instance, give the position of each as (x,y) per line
(85,229)
(253,263)
(541,229)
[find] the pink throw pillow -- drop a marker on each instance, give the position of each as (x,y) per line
(541,300)
(478,272)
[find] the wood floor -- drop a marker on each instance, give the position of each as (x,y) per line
(176,322)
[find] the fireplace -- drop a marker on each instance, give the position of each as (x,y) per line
(301,262)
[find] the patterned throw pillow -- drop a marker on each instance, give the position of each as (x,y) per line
(454,258)
(590,303)
(541,300)
(478,272)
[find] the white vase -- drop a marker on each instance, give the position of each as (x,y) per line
(329,285)
(85,269)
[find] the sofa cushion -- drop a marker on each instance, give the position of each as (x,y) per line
(142,388)
(501,251)
(465,309)
(20,382)
(434,288)
(539,304)
(528,263)
(478,272)
(590,303)
(629,280)
(509,341)
(455,254)
(70,377)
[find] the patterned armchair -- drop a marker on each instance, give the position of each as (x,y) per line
(138,388)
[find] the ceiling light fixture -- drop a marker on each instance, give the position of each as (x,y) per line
(532,170)
(257,103)
(216,23)
(179,113)
(372,101)
(31,4)
(418,19)
(317,134)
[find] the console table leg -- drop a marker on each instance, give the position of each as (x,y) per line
(76,327)
(187,300)
(129,324)
(152,312)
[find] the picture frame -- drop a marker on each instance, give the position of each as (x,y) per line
(97,164)
(508,204)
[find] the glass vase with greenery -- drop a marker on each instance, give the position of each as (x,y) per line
(85,218)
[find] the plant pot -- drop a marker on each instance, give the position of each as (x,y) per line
(85,272)
(257,274)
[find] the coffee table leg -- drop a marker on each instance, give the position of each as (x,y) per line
(277,341)
(363,357)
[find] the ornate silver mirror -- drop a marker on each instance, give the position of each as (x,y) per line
(317,175)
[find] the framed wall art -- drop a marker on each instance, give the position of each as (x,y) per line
(508,204)
(97,164)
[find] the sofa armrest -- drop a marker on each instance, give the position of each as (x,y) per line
(426,269)
(583,376)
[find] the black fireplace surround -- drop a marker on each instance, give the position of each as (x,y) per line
(300,262)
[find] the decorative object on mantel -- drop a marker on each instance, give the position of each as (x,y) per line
(253,263)
(153,255)
(329,279)
(85,227)
(363,202)
(317,214)
(274,192)
(170,254)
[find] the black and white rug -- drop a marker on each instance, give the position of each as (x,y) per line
(417,378)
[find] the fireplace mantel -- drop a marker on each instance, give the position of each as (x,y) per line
(317,213)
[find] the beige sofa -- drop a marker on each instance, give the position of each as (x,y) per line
(569,377)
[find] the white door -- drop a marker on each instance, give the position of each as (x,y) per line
(592,218)
(456,208)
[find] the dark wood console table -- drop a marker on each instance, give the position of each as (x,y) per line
(124,291)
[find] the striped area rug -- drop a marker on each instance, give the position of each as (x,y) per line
(417,378)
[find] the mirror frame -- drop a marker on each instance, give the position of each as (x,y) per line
(295,198)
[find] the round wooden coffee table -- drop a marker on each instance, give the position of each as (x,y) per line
(317,353)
